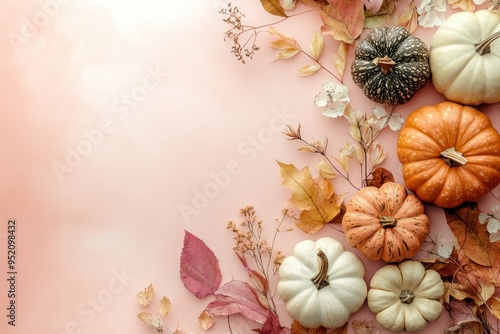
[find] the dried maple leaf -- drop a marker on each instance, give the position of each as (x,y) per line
(315,198)
(199,269)
(273,7)
(472,237)
(342,19)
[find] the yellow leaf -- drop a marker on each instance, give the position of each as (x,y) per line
(282,43)
(287,53)
(495,306)
(144,297)
(308,70)
(314,197)
(465,5)
(326,169)
(340,59)
(205,320)
(274,7)
(317,45)
(164,307)
(151,321)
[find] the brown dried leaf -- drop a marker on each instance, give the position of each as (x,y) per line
(363,327)
(379,177)
(472,237)
(494,305)
(383,17)
(297,328)
(273,7)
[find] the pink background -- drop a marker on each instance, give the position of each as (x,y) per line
(111,223)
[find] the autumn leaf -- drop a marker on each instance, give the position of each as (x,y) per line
(409,17)
(297,328)
(471,235)
(494,306)
(342,19)
(205,320)
(314,197)
(151,320)
(272,326)
(255,275)
(317,45)
(465,5)
(144,297)
(199,268)
(325,169)
(339,59)
(238,297)
(379,177)
(273,7)
(308,70)
(384,16)
(164,307)
(363,326)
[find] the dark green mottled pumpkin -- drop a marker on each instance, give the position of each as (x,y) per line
(391,65)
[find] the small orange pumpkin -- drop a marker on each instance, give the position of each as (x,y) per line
(450,154)
(385,223)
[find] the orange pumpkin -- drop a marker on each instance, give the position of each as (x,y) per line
(385,223)
(450,154)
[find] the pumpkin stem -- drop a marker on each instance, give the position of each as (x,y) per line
(386,64)
(407,296)
(387,222)
(483,47)
(453,157)
(321,278)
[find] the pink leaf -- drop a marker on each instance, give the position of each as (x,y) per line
(255,274)
(200,272)
(272,326)
(373,5)
(238,297)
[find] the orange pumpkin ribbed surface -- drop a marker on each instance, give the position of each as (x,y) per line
(450,154)
(385,223)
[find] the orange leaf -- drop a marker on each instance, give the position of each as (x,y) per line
(274,7)
(472,236)
(297,328)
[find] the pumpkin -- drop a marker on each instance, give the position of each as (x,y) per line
(450,154)
(405,296)
(465,63)
(322,283)
(390,65)
(385,223)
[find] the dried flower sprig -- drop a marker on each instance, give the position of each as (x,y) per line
(250,242)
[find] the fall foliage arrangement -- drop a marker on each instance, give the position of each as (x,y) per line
(450,160)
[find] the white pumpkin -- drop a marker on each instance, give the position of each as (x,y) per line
(322,283)
(405,296)
(465,60)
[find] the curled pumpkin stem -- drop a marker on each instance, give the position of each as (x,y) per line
(320,280)
(387,222)
(453,157)
(407,296)
(386,64)
(483,47)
